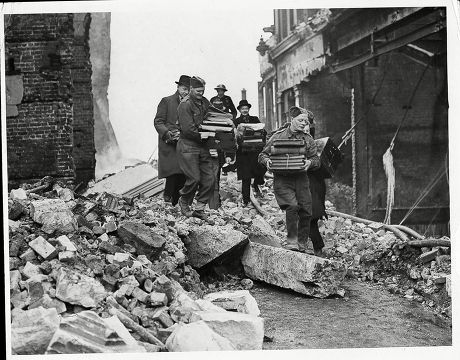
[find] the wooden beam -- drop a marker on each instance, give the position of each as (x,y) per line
(390,46)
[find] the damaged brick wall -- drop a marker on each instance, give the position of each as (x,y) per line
(83,125)
(44,65)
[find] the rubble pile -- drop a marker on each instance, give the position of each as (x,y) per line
(109,274)
(369,252)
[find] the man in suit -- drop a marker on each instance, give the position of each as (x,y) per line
(223,102)
(247,166)
(167,126)
(193,152)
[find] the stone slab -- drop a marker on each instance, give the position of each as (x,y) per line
(206,244)
(303,273)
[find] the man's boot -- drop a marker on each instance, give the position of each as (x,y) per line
(185,207)
(200,214)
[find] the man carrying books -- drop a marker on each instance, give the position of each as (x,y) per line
(289,153)
(167,126)
(223,102)
(193,153)
(249,147)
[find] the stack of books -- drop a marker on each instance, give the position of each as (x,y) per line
(287,156)
(253,137)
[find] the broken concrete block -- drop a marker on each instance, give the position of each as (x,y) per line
(239,300)
(15,278)
(28,255)
(43,248)
(448,285)
(32,330)
(207,305)
(66,256)
(182,307)
(19,299)
(15,210)
(18,194)
(158,299)
(14,262)
(120,258)
(141,295)
(167,286)
(64,193)
(78,289)
(98,230)
(130,281)
(31,270)
(14,226)
(180,257)
(304,273)
(428,256)
(35,289)
(53,214)
(245,332)
(47,302)
(197,336)
(161,315)
(110,227)
(142,238)
(208,243)
(65,242)
(263,233)
(86,332)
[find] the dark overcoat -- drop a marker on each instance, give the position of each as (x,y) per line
(247,165)
(166,120)
(318,194)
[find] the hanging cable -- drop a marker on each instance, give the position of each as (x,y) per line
(439,175)
(349,132)
(388,156)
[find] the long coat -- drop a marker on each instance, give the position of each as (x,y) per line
(165,120)
(318,194)
(247,165)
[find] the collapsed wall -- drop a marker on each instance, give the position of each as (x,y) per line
(107,149)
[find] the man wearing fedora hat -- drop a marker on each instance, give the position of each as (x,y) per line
(247,165)
(223,102)
(193,152)
(167,126)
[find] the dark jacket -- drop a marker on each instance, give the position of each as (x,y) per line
(247,165)
(318,191)
(166,120)
(224,103)
(191,114)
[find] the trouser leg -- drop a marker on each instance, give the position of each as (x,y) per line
(207,177)
(292,220)
(179,181)
(246,189)
(189,163)
(169,187)
(304,200)
(315,235)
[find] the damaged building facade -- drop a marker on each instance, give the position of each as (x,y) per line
(376,70)
(53,119)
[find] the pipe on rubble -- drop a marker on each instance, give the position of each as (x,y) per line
(400,234)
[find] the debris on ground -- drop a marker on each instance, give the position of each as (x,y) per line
(128,265)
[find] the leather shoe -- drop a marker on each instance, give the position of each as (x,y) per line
(185,207)
(200,214)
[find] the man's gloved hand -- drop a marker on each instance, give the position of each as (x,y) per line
(167,137)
